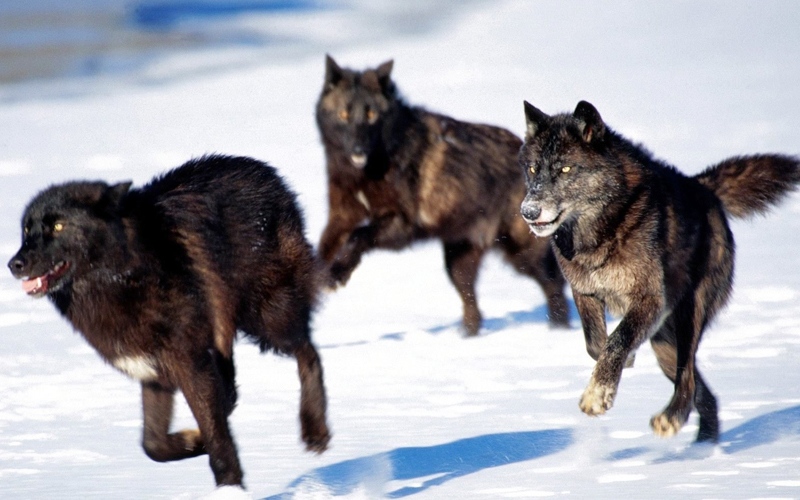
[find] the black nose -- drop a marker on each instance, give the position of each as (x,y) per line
(16,264)
(529,211)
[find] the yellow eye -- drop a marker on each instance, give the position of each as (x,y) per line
(371,115)
(25,230)
(566,169)
(58,227)
(344,115)
(532,169)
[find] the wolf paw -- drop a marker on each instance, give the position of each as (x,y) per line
(317,444)
(665,425)
(597,399)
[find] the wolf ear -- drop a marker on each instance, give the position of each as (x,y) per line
(590,123)
(384,71)
(114,194)
(535,119)
(333,73)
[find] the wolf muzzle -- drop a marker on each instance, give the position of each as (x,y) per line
(530,211)
(17,265)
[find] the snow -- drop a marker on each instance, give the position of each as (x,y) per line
(416,410)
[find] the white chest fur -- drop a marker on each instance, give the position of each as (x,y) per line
(142,368)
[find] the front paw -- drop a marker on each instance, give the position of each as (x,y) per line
(597,399)
(339,274)
(666,425)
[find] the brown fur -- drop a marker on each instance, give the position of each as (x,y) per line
(637,238)
(159,279)
(398,174)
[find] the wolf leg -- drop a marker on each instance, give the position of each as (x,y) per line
(202,385)
(664,342)
(462,260)
(158,443)
(675,345)
(706,405)
(313,403)
(626,338)
(345,213)
(593,319)
(391,232)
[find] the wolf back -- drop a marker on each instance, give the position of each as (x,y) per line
(412,174)
(159,279)
(636,237)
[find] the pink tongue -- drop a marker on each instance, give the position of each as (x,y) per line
(32,285)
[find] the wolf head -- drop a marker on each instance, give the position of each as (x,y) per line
(66,230)
(352,107)
(567,174)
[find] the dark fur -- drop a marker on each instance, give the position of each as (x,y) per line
(398,174)
(167,273)
(636,237)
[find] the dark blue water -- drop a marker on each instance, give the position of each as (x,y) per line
(164,14)
(44,39)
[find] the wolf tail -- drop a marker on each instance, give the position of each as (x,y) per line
(749,185)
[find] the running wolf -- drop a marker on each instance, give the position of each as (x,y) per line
(159,279)
(398,174)
(637,238)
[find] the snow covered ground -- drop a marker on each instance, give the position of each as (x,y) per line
(416,410)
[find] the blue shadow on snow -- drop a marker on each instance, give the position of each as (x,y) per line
(444,462)
(536,315)
(763,429)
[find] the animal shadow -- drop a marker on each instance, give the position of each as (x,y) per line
(430,465)
(763,429)
(493,325)
(760,430)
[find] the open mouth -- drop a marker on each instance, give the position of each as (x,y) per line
(358,160)
(39,285)
(544,228)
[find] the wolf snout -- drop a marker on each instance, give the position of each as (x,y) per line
(17,266)
(530,212)
(358,157)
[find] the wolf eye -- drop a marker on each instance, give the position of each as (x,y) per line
(25,231)
(566,169)
(58,227)
(344,115)
(532,169)
(371,115)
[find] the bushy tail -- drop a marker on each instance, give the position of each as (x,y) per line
(749,185)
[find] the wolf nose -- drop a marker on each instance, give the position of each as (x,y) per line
(16,265)
(529,212)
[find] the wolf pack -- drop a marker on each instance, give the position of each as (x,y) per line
(160,279)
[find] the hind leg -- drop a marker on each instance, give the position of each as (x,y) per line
(462,260)
(675,345)
(207,393)
(158,443)
(672,361)
(283,326)
(534,257)
(706,405)
(313,402)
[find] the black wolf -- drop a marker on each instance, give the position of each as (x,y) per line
(398,174)
(159,279)
(635,236)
